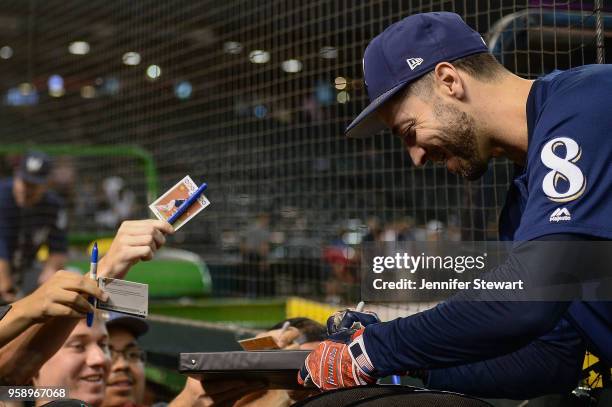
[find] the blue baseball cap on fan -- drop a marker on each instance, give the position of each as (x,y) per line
(35,167)
(136,326)
(404,52)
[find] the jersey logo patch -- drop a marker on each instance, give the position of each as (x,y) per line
(565,182)
(560,214)
(414,62)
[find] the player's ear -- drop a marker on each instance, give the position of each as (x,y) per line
(448,81)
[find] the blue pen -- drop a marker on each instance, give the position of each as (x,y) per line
(185,205)
(93,273)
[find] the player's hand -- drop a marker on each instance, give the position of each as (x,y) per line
(63,295)
(343,324)
(333,365)
(135,241)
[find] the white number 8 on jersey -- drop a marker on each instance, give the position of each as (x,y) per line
(562,168)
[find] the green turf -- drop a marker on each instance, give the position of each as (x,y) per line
(171,379)
(251,313)
(167,278)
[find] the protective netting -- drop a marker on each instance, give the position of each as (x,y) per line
(252,97)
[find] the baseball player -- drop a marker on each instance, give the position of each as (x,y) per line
(30,215)
(432,81)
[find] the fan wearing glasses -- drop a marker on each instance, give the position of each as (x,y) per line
(125,385)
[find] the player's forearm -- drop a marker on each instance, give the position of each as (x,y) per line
(23,356)
(464,331)
(457,333)
(490,381)
(550,365)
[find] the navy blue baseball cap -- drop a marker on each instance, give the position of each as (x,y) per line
(404,52)
(136,326)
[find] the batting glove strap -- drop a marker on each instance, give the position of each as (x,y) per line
(361,360)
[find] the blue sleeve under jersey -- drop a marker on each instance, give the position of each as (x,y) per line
(552,364)
(460,332)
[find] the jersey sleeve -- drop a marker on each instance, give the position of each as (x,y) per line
(525,373)
(460,331)
(569,165)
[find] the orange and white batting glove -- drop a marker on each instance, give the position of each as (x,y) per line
(333,365)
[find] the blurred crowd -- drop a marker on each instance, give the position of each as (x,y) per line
(327,267)
(98,203)
(45,340)
(285,251)
(104,365)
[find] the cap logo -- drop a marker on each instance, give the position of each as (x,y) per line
(414,62)
(33,164)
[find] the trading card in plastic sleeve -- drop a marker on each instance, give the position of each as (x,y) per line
(126,297)
(167,204)
(262,343)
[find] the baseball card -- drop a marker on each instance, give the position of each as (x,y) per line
(261,343)
(126,297)
(167,204)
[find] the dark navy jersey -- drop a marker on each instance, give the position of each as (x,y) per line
(24,230)
(563,192)
(566,186)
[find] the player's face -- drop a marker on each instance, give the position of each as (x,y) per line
(81,365)
(126,381)
(433,130)
(27,194)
